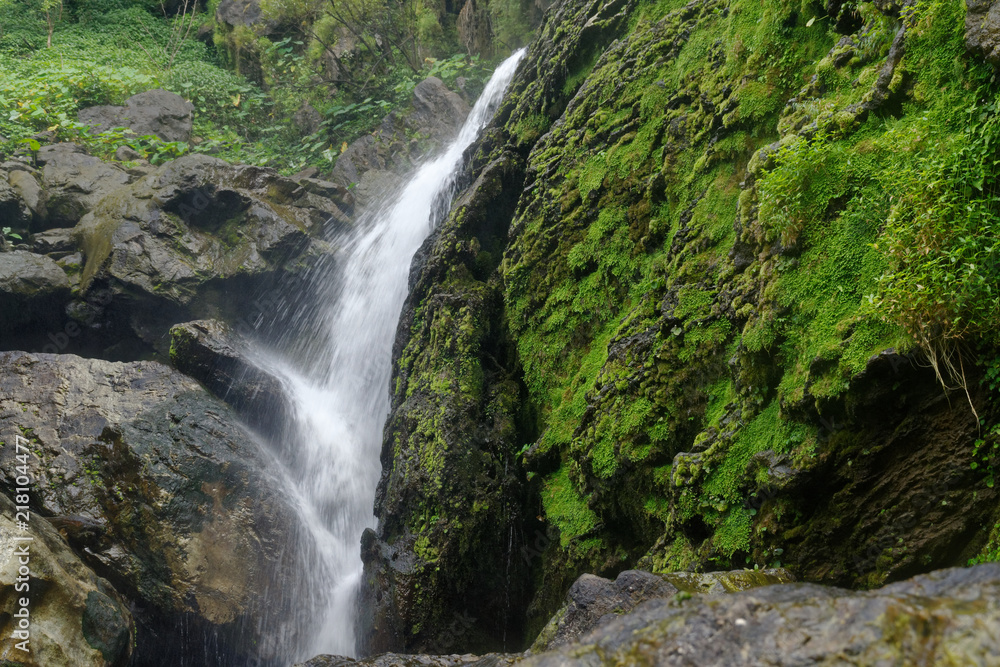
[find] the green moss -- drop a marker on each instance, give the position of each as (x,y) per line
(565,508)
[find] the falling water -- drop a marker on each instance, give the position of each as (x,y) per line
(340,387)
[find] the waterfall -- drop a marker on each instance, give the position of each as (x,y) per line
(337,378)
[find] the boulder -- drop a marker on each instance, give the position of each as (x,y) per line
(162,491)
(25,183)
(436,111)
(411,660)
(593,601)
(982,29)
(74,182)
(940,618)
(946,617)
(198,239)
(158,112)
(14,211)
(33,290)
(56,243)
(76,618)
(211,352)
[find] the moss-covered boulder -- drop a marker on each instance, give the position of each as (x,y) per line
(163,492)
(61,614)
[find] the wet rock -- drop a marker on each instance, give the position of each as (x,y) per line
(436,111)
(157,112)
(211,352)
(33,290)
(160,489)
(435,114)
(77,619)
(199,239)
(593,601)
(982,29)
(929,619)
(75,182)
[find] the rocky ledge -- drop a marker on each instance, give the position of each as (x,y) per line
(943,618)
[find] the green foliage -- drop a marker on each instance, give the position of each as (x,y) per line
(566,508)
(941,237)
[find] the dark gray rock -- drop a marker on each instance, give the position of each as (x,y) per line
(33,290)
(198,239)
(410,660)
(307,119)
(196,529)
(158,112)
(214,354)
(25,183)
(77,619)
(238,12)
(593,601)
(14,211)
(126,154)
(938,618)
(75,182)
(435,115)
(982,29)
(437,112)
(55,243)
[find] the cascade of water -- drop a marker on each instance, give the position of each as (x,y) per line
(340,388)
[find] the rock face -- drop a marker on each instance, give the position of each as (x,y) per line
(435,115)
(164,494)
(158,112)
(238,12)
(982,29)
(943,618)
(452,334)
(199,238)
(209,351)
(76,618)
(74,182)
(33,291)
(677,362)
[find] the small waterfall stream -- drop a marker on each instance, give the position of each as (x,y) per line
(338,381)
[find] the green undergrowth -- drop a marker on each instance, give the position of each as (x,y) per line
(104,52)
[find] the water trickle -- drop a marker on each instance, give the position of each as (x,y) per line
(337,377)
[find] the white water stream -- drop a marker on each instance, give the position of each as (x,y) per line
(340,388)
